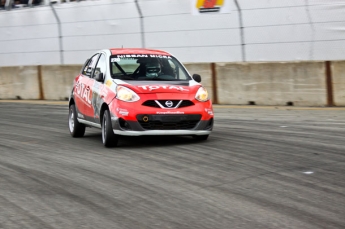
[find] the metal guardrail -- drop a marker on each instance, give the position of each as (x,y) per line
(240,20)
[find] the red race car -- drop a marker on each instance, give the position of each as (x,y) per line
(137,92)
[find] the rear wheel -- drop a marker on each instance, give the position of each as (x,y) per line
(76,128)
(200,137)
(109,139)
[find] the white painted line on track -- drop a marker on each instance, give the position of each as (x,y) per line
(44,102)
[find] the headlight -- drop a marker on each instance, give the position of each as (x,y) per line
(126,94)
(202,95)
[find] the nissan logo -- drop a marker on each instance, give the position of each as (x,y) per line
(169,103)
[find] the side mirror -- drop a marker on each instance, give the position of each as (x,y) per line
(99,77)
(197,78)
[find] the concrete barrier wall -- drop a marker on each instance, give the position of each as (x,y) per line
(302,83)
(338,69)
(57,81)
(19,82)
(204,70)
(279,84)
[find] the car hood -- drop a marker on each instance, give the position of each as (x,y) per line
(150,87)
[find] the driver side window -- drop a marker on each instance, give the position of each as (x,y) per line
(101,66)
(90,66)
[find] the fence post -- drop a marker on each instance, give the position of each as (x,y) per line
(59,30)
(329,84)
(214,83)
(241,31)
(312,27)
(141,24)
(40,83)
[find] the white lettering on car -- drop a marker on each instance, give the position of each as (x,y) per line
(115,60)
(123,112)
(132,55)
(153,87)
(148,87)
(160,56)
(144,87)
(169,112)
(78,88)
(83,92)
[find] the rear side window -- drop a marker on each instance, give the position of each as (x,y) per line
(89,67)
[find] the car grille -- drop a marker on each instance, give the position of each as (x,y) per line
(163,103)
(169,122)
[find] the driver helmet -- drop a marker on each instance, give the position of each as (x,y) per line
(153,69)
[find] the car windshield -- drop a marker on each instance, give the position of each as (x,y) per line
(147,67)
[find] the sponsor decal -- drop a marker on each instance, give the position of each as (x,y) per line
(83,92)
(123,112)
(126,56)
(160,56)
(210,6)
(108,83)
(151,88)
(170,112)
(209,111)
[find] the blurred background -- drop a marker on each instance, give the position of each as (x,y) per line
(241,38)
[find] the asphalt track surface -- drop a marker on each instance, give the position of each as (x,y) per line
(260,168)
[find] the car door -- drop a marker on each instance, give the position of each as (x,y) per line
(97,86)
(82,93)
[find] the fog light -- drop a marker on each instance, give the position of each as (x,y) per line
(145,118)
(124,124)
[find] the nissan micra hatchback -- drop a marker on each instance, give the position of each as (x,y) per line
(137,92)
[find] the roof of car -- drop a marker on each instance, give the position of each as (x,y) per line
(122,51)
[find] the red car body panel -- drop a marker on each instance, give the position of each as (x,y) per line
(131,110)
(124,51)
(92,96)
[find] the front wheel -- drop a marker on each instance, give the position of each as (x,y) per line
(200,137)
(109,139)
(76,128)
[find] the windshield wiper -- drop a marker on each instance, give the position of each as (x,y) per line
(161,79)
(123,78)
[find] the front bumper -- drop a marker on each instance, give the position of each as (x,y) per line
(135,128)
(130,118)
(162,132)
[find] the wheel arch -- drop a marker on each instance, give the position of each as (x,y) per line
(71,102)
(104,107)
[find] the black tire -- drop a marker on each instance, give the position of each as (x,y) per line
(109,139)
(76,128)
(200,137)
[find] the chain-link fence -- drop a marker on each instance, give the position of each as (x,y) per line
(279,30)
